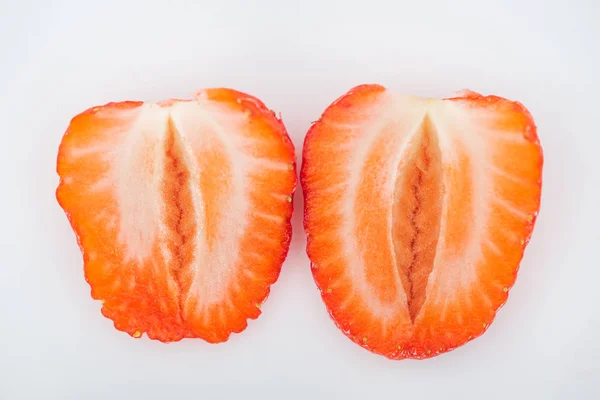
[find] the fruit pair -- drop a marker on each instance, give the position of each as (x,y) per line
(417,212)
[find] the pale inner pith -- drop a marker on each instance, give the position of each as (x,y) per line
(198,247)
(401,206)
(416,213)
(180,217)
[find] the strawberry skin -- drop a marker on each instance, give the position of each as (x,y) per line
(181,210)
(417,214)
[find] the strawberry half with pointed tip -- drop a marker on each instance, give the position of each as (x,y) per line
(181,209)
(417,213)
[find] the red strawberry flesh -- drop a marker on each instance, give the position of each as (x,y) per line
(417,213)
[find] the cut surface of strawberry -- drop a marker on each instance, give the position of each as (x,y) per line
(181,209)
(417,214)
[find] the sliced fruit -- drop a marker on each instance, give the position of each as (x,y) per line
(181,209)
(417,213)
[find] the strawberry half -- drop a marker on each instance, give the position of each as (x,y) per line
(417,213)
(181,209)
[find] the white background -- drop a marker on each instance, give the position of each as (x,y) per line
(60,57)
